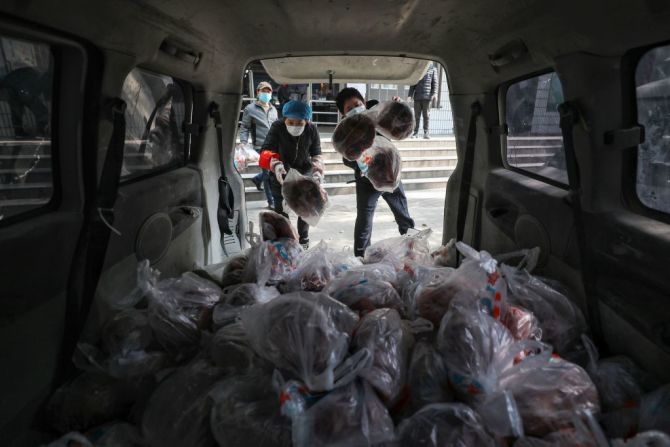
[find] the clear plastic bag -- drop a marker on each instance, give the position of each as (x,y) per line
(364,293)
(446,255)
(119,434)
(315,270)
(246,412)
(428,379)
(271,261)
(561,321)
(444,424)
(348,416)
(305,196)
(476,348)
(381,164)
(132,364)
(395,119)
(238,297)
(303,334)
(179,308)
(383,333)
(275,226)
(244,156)
(353,135)
(522,324)
(406,253)
(178,412)
(91,399)
(548,391)
(230,349)
(127,331)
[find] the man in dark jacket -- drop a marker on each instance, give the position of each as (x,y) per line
(296,144)
(350,101)
(423,93)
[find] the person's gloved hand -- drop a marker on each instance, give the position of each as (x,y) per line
(240,145)
(279,172)
(317,165)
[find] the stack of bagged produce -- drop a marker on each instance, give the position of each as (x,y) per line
(288,347)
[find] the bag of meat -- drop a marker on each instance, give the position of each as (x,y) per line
(655,410)
(444,424)
(522,324)
(305,196)
(364,292)
(178,412)
(478,276)
(477,349)
(303,334)
(383,333)
(275,226)
(562,323)
(428,379)
(314,270)
(246,412)
(271,261)
(406,253)
(354,135)
(350,415)
(179,308)
(244,156)
(395,119)
(238,297)
(381,164)
(548,391)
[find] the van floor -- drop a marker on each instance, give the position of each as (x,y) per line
(337,225)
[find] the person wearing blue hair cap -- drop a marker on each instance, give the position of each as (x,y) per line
(295,144)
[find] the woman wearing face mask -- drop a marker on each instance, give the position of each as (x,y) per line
(295,144)
(350,102)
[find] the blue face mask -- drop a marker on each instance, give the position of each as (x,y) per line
(264,97)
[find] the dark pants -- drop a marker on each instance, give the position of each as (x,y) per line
(366,202)
(275,187)
(421,107)
(264,176)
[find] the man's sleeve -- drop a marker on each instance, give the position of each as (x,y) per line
(271,140)
(315,148)
(245,126)
(411,91)
(433,82)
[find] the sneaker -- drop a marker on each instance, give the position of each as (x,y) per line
(259,184)
(415,135)
(271,207)
(304,243)
(426,136)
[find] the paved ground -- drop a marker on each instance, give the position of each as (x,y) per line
(337,225)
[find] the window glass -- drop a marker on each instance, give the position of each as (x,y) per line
(652,79)
(26,78)
(155,114)
(534,140)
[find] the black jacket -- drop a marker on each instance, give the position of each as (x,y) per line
(295,152)
(426,87)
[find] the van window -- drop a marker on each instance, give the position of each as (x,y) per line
(652,80)
(534,140)
(26,81)
(155,112)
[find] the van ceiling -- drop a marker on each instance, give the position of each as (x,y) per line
(459,33)
(299,70)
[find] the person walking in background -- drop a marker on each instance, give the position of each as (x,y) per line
(422,94)
(256,121)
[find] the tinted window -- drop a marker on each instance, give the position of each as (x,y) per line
(534,141)
(653,112)
(26,78)
(154,123)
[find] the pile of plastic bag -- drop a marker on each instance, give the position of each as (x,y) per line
(281,346)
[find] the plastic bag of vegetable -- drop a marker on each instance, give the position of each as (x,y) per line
(305,196)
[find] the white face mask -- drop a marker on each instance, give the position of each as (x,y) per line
(355,111)
(295,130)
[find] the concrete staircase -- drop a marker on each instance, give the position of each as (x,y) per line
(426,164)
